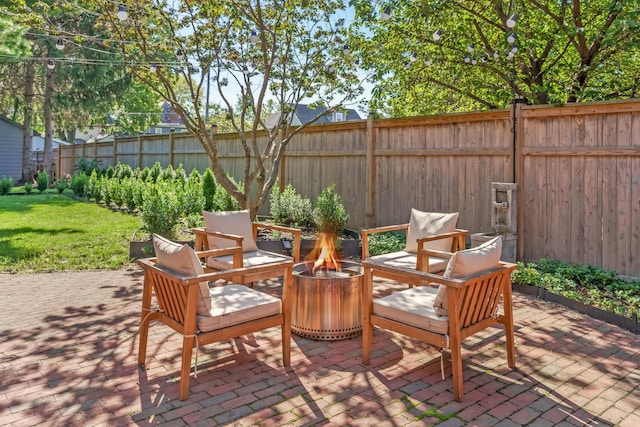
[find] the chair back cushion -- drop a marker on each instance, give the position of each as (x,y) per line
(466,263)
(230,222)
(182,260)
(425,224)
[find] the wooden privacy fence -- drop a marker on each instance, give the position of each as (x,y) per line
(576,168)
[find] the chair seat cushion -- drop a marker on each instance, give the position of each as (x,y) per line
(413,306)
(235,304)
(250,259)
(407,260)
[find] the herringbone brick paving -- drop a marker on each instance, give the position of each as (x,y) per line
(68,357)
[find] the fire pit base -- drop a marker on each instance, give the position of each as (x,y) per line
(327,306)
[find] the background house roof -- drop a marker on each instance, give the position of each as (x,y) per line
(304,114)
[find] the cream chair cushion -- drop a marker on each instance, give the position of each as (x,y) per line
(249,259)
(230,222)
(466,263)
(413,306)
(407,260)
(425,224)
(236,304)
(182,260)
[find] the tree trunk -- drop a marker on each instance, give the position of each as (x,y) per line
(27,131)
(48,123)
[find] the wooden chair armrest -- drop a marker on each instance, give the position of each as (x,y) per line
(296,232)
(150,264)
(365,233)
(202,243)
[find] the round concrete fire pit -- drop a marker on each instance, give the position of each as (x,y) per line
(328,305)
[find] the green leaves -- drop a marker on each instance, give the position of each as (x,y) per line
(561,53)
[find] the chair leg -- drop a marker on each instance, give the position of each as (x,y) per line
(367,306)
(507,318)
(456,371)
(185,371)
(144,320)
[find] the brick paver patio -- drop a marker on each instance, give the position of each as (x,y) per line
(69,346)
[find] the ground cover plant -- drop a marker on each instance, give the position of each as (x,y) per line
(55,232)
(590,285)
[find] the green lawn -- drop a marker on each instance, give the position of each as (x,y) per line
(53,232)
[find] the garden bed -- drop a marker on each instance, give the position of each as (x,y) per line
(629,324)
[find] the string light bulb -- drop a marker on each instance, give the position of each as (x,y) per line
(122,12)
(496,54)
(346,50)
(514,49)
(512,38)
(470,48)
(276,60)
(437,35)
(60,43)
(413,57)
(179,54)
(386,14)
(253,38)
(511,22)
(428,62)
(50,64)
(152,68)
(245,70)
(467,59)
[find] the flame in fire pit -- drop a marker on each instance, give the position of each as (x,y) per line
(324,254)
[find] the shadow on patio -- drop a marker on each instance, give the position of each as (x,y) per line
(69,346)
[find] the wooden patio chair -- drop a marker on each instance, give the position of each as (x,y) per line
(203,315)
(230,237)
(473,294)
(425,231)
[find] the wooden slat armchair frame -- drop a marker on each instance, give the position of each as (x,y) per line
(177,296)
(250,275)
(422,256)
(473,304)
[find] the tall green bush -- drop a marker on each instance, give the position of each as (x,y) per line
(160,211)
(42,181)
(61,185)
(79,183)
(329,213)
(290,208)
(6,184)
(209,189)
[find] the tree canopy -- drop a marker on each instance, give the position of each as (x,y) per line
(447,55)
(271,54)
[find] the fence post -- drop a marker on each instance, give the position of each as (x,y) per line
(172,132)
(115,149)
(140,151)
(370,184)
(518,172)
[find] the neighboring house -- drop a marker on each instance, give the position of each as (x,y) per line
(10,149)
(305,114)
(37,142)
